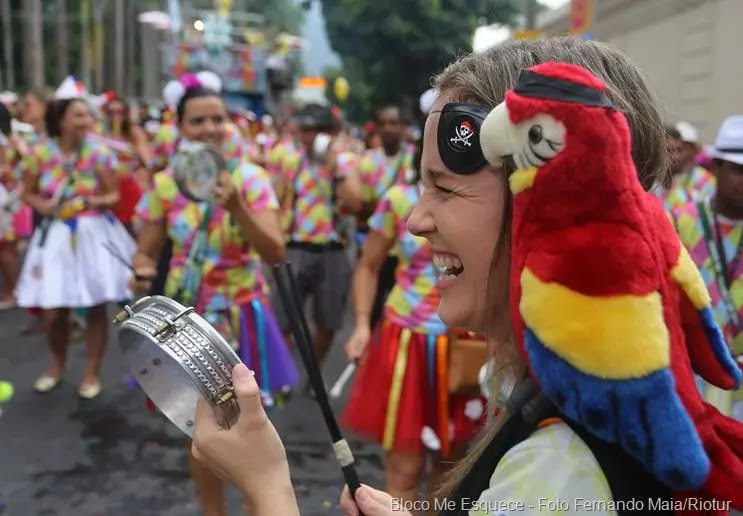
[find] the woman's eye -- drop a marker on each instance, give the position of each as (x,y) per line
(443,190)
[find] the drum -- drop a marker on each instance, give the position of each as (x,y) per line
(196,166)
(178,358)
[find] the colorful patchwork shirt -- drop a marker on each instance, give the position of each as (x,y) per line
(414,300)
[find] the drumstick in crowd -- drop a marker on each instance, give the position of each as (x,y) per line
(337,389)
(300,331)
(124,262)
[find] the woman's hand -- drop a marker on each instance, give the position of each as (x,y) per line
(357,342)
(226,193)
(45,207)
(369,502)
(250,455)
(141,282)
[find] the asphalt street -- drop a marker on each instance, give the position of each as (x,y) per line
(63,456)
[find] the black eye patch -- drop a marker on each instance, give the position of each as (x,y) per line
(459,137)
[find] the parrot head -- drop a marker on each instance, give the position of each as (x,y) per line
(553,125)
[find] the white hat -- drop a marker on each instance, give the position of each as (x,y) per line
(688,132)
(70,89)
(729,143)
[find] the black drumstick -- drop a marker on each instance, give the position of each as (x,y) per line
(300,331)
(113,252)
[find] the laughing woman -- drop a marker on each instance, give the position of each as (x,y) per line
(231,235)
(400,397)
(70,181)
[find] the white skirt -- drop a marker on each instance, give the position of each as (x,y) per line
(73,268)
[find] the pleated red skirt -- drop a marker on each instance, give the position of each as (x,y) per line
(400,395)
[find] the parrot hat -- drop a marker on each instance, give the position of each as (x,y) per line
(609,311)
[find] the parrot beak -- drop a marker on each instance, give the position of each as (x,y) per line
(496,136)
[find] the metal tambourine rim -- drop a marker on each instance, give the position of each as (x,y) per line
(203,339)
(182,182)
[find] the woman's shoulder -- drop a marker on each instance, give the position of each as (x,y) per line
(553,466)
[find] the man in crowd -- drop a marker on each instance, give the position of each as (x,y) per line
(690,181)
(379,169)
(310,181)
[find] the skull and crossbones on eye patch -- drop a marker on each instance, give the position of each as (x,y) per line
(464,132)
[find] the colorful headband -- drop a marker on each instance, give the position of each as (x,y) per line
(459,137)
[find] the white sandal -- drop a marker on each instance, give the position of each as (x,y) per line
(46,383)
(89,391)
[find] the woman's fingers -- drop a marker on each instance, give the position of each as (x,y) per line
(347,503)
(246,389)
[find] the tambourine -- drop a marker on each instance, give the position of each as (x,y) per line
(6,211)
(178,358)
(10,200)
(196,166)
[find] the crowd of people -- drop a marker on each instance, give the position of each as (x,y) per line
(93,184)
(85,184)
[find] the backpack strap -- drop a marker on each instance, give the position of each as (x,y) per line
(528,407)
(628,480)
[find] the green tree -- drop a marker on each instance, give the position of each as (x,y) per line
(391,49)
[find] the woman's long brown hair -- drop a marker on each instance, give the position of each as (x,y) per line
(483,79)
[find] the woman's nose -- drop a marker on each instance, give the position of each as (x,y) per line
(210,128)
(420,221)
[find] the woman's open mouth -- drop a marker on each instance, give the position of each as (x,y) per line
(449,266)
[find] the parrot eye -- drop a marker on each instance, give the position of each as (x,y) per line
(535,134)
(543,138)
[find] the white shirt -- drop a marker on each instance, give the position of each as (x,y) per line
(551,472)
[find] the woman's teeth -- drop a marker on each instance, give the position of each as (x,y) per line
(449,266)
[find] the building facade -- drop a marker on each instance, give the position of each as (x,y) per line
(689,50)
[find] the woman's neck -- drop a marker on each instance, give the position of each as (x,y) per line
(727,209)
(68,145)
(393,149)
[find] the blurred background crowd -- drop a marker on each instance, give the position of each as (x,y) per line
(318,108)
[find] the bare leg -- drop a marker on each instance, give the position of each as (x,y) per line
(96,336)
(403,472)
(208,487)
(9,267)
(57,329)
(323,339)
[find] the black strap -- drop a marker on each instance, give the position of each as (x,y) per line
(716,253)
(532,84)
(628,480)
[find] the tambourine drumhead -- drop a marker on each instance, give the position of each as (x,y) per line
(178,358)
(196,166)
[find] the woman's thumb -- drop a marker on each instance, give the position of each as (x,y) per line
(246,388)
(368,504)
